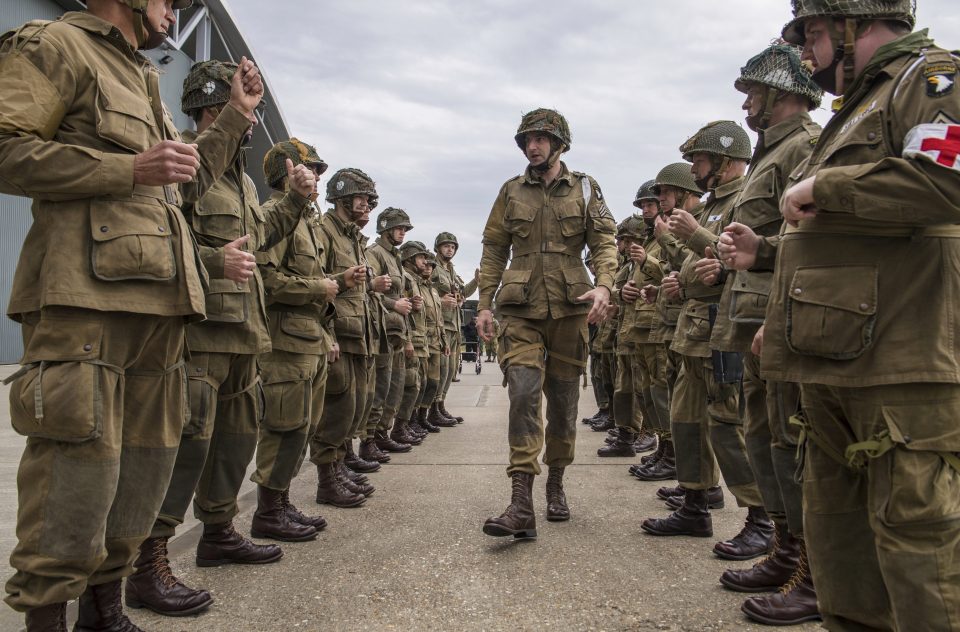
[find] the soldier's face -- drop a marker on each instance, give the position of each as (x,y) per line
(818,47)
(447,250)
(397,235)
(427,271)
(420,263)
(649,209)
(361,206)
(702,166)
(668,198)
(754,104)
(161,16)
(621,246)
(537,148)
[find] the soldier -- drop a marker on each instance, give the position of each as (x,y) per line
(106,281)
(294,373)
(779,95)
(453,292)
(350,375)
(541,221)
(606,342)
(224,386)
(413,256)
(705,412)
(675,189)
(384,258)
(873,214)
(437,346)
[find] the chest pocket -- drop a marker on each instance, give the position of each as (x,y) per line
(304,254)
(758,205)
(218,216)
(518,218)
(862,143)
(131,240)
(571,218)
(122,117)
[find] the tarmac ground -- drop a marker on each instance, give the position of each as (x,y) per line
(414,558)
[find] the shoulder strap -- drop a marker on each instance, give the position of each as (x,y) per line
(587,191)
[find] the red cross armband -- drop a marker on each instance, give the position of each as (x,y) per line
(934,141)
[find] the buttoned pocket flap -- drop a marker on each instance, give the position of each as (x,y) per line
(513,288)
(131,240)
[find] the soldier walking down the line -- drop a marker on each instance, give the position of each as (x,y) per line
(107,279)
(540,222)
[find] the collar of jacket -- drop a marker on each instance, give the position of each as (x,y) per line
(532,177)
(726,190)
(384,243)
(911,43)
(776,133)
(350,229)
(93,24)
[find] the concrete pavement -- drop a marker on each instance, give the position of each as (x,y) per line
(414,558)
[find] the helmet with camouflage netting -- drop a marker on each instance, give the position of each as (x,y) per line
(347,183)
(633,227)
(411,249)
(645,193)
(545,121)
(779,67)
(300,153)
(677,175)
(896,10)
(207,84)
(445,238)
(393,218)
(720,138)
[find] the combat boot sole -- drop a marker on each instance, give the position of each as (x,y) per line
(499,531)
(762,618)
(662,474)
(342,505)
(670,527)
(265,535)
(136,604)
(204,562)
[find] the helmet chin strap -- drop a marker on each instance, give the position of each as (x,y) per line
(843,52)
(147,36)
(762,121)
(549,163)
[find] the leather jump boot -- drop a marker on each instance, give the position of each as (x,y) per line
(423,418)
(416,428)
(354,487)
(662,470)
(100,610)
(221,544)
(693,518)
(715,498)
(590,420)
(401,433)
(603,424)
(356,463)
(294,514)
(441,406)
(754,540)
(623,446)
(435,417)
(49,618)
(270,520)
(154,586)
(387,444)
(648,460)
(646,441)
(771,572)
(370,452)
(518,519)
(330,490)
(557,510)
(795,603)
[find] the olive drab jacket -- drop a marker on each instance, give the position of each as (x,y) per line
(625,311)
(673,253)
(542,230)
(447,281)
(743,305)
(650,272)
(353,325)
(384,258)
(692,337)
(77,104)
(865,293)
(417,327)
(293,278)
(236,312)
(437,339)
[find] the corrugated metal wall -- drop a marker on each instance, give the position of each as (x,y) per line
(15,211)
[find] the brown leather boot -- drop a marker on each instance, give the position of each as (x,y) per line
(692,518)
(646,441)
(51,618)
(715,498)
(401,433)
(154,586)
(354,487)
(356,477)
(317,522)
(435,417)
(518,519)
(356,463)
(754,540)
(771,572)
(664,469)
(795,603)
(648,460)
(623,446)
(387,444)
(441,406)
(423,418)
(416,429)
(369,452)
(331,491)
(100,610)
(557,510)
(589,420)
(270,520)
(221,544)
(603,424)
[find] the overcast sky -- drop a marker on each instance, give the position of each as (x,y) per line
(426,95)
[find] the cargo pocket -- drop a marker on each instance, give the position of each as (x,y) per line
(698,328)
(218,216)
(749,296)
(514,289)
(122,117)
(227,301)
(131,241)
(577,283)
(339,376)
(832,311)
(202,395)
(304,327)
(287,392)
(518,218)
(349,327)
(572,218)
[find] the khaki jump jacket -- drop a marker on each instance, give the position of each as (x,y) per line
(384,258)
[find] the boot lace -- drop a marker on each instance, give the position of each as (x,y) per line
(161,564)
(798,576)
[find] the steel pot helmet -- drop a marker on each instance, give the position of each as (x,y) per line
(445,238)
(632,227)
(723,141)
(207,84)
(645,193)
(546,121)
(779,71)
(411,249)
(392,218)
(854,13)
(347,183)
(300,153)
(147,36)
(679,176)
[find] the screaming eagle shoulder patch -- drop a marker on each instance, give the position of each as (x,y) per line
(940,79)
